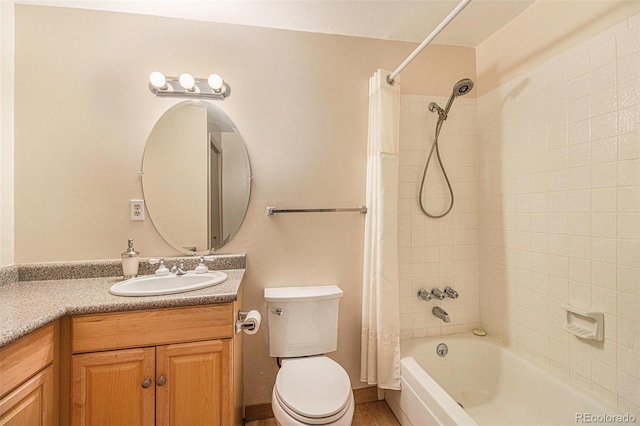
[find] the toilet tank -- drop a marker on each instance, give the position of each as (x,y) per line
(302,321)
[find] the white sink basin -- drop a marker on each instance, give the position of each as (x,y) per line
(167,284)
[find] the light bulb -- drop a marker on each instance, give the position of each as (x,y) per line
(187,81)
(158,80)
(215,81)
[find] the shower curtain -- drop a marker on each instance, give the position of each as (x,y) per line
(380,357)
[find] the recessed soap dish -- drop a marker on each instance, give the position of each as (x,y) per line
(584,323)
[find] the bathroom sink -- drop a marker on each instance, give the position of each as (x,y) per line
(154,285)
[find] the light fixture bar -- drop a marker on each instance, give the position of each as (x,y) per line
(171,87)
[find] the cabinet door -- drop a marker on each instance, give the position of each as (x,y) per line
(31,404)
(198,386)
(109,388)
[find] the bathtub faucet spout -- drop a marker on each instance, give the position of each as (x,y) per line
(440,313)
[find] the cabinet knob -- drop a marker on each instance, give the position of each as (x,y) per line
(161,381)
(146,383)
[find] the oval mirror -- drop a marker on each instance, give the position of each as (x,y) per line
(196,177)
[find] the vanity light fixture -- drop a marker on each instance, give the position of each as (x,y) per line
(186,86)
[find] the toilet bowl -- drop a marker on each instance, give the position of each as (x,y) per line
(312,391)
(310,388)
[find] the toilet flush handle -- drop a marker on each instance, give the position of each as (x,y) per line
(278,311)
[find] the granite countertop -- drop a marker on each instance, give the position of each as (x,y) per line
(28,305)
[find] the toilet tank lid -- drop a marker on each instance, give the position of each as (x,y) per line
(296,294)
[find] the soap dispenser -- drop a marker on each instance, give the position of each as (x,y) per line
(130,262)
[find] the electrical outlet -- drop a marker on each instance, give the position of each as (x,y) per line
(137,210)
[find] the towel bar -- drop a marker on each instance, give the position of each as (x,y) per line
(272,210)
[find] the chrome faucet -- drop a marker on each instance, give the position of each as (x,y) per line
(180,269)
(440,313)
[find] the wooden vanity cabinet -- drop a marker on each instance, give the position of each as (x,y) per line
(158,367)
(107,387)
(199,391)
(27,380)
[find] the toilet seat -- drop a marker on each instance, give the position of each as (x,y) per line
(313,390)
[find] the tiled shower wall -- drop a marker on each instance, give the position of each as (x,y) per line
(438,252)
(546,175)
(559,163)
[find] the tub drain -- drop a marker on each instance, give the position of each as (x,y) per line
(442,349)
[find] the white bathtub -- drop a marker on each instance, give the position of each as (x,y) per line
(493,384)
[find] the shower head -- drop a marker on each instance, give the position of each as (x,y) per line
(462,87)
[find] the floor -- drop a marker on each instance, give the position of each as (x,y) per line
(369,414)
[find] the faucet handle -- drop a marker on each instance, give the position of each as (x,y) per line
(162,269)
(449,292)
(437,294)
(202,268)
(423,294)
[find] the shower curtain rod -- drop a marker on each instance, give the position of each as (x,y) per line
(434,33)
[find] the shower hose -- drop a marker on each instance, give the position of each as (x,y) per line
(434,147)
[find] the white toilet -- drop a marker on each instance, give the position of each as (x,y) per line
(310,389)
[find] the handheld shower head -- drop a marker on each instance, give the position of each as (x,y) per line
(462,87)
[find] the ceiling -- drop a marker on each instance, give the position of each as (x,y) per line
(389,20)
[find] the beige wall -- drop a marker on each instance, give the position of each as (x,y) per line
(6,133)
(542,31)
(299,100)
